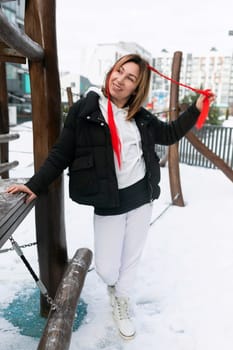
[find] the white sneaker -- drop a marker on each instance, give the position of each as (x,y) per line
(121,314)
(111,293)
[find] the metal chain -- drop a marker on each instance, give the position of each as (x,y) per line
(50,301)
(41,286)
(38,281)
(21,246)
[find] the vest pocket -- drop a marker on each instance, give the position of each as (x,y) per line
(83,178)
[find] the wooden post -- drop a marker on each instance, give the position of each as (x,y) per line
(70,96)
(40,25)
(58,330)
(4,117)
(173,153)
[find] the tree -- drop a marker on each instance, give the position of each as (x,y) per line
(213,117)
(214,112)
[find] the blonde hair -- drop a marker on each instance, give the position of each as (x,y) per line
(141,92)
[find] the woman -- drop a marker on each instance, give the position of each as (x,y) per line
(108,144)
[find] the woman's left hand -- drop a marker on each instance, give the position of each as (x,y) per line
(200,100)
(16,188)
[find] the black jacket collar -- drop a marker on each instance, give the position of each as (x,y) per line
(91,109)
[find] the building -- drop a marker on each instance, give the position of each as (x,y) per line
(105,55)
(78,84)
(95,65)
(214,71)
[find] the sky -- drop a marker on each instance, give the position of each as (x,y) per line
(183,293)
(188,26)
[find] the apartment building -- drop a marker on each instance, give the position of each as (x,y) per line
(214,71)
(104,56)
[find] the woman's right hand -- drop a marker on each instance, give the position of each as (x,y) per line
(16,188)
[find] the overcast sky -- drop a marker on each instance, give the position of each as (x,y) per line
(188,26)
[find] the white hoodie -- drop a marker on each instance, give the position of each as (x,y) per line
(132,162)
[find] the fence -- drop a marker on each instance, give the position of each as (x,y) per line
(217,138)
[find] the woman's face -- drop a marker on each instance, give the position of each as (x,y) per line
(122,83)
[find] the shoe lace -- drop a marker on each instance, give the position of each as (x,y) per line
(123,309)
(111,290)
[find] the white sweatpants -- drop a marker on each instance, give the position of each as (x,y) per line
(119,241)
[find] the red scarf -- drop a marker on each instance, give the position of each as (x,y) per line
(116,142)
(207,93)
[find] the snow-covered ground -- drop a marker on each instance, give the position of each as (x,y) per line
(184,292)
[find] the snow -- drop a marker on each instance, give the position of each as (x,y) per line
(228,122)
(184,292)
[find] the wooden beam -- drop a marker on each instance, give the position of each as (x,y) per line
(8,166)
(7,54)
(206,152)
(58,330)
(173,152)
(8,137)
(4,117)
(40,25)
(18,40)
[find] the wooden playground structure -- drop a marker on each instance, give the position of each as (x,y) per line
(63,280)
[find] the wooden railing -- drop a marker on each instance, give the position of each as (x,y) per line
(13,210)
